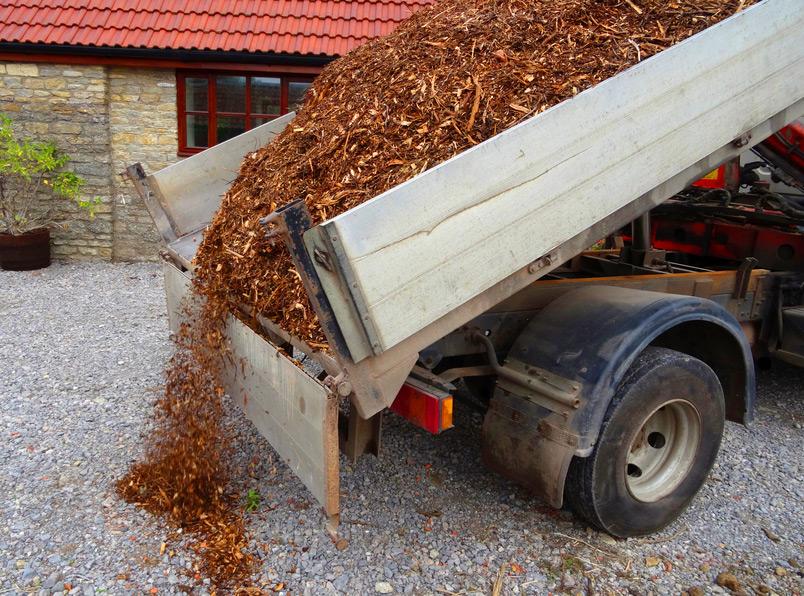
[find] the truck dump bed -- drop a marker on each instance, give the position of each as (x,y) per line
(397,273)
(426,247)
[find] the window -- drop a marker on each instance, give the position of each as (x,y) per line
(216,107)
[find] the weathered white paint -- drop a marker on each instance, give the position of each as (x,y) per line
(184,248)
(289,407)
(190,190)
(426,247)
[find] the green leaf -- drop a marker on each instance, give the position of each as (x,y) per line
(32,169)
(253,499)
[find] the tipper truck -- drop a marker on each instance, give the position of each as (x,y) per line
(606,377)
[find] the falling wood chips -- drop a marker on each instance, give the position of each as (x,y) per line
(453,75)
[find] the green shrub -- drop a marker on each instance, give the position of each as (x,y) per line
(28,168)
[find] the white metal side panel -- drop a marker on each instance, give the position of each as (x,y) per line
(190,190)
(420,250)
(289,407)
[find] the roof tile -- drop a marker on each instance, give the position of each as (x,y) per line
(309,27)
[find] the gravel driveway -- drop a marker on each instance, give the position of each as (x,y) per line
(82,348)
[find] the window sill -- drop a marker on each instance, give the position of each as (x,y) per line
(189,152)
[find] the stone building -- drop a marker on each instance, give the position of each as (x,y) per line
(114,82)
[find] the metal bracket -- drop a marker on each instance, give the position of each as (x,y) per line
(531,382)
(162,219)
(541,387)
(290,222)
(360,435)
(743,277)
(742,140)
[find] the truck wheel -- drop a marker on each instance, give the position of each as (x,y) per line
(659,439)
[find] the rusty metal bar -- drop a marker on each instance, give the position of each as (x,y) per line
(164,223)
(533,384)
(291,222)
(744,277)
(461,372)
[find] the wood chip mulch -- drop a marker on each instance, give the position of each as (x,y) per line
(453,75)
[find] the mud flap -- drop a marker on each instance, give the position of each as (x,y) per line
(290,408)
(516,446)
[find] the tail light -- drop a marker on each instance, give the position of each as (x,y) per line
(425,406)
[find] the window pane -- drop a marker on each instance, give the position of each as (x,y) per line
(197,127)
(196,94)
(265,95)
(230,126)
(257,121)
(296,91)
(230,94)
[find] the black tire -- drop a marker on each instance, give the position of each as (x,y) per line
(663,385)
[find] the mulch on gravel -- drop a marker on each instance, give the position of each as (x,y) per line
(77,383)
(184,473)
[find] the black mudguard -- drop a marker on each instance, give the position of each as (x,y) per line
(591,335)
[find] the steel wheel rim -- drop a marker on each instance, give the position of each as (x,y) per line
(663,450)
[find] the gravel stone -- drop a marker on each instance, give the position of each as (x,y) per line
(27,575)
(82,352)
(52,579)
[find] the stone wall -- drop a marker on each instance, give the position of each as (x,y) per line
(142,108)
(67,104)
(105,118)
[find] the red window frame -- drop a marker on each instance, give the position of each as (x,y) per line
(212,112)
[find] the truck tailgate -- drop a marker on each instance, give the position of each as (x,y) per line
(296,413)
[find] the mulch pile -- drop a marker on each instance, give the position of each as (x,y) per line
(453,75)
(184,474)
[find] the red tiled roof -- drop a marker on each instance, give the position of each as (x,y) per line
(306,27)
